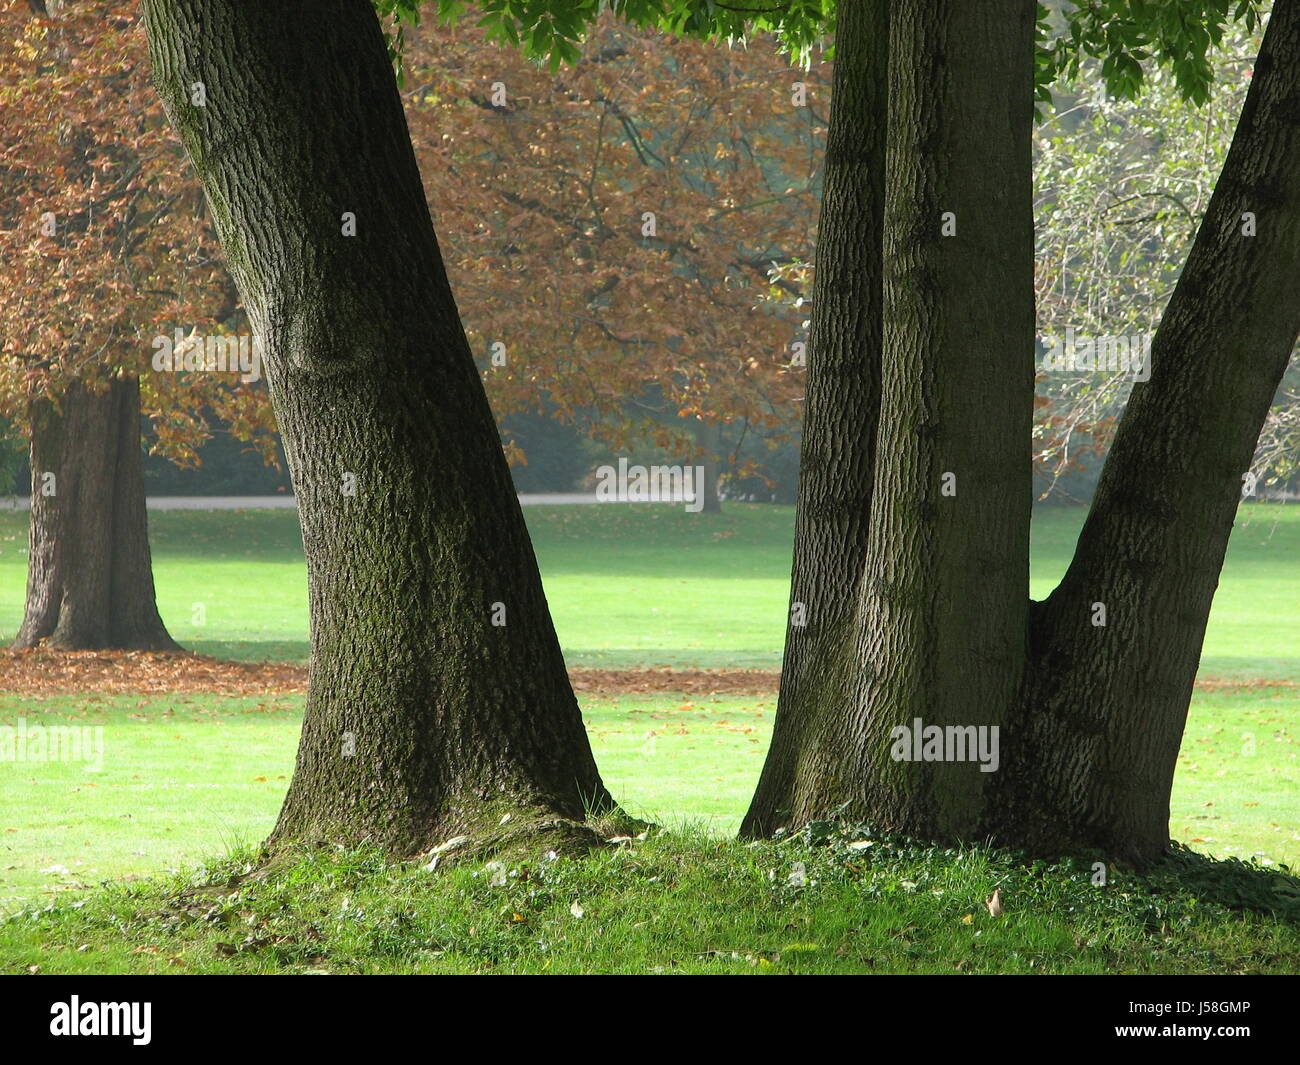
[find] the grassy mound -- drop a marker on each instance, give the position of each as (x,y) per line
(832,899)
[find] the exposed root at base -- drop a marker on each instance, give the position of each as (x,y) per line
(542,838)
(515,836)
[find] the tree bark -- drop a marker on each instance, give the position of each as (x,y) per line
(89,577)
(837,457)
(438,699)
(1093,744)
(944,597)
(913,542)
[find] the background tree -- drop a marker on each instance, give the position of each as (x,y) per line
(676,182)
(1121,183)
(103,249)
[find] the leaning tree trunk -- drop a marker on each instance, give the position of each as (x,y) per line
(89,577)
(1092,747)
(438,699)
(801,776)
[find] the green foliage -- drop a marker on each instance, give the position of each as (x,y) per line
(1126,36)
(395,16)
(1120,189)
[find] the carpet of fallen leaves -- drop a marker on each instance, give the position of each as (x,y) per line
(1219,684)
(45,672)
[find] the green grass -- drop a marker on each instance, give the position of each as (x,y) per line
(187,776)
(1254,629)
(648,585)
(830,902)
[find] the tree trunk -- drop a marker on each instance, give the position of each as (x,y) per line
(1093,745)
(438,699)
(945,594)
(929,611)
(837,457)
(89,577)
(708,435)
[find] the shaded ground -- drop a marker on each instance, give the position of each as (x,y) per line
(41,672)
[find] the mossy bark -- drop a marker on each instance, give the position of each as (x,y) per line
(89,573)
(944,595)
(911,557)
(1091,716)
(810,766)
(438,699)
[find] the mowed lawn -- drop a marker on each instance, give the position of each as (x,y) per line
(638,585)
(185,776)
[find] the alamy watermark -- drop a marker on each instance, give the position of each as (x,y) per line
(214,353)
(1075,353)
(52,743)
(920,742)
(133,1020)
(651,484)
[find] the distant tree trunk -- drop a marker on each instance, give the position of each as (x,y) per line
(708,435)
(438,700)
(89,576)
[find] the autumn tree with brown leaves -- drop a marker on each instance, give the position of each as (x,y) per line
(103,249)
(629,238)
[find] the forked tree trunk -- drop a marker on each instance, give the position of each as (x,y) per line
(1090,738)
(89,576)
(438,699)
(918,612)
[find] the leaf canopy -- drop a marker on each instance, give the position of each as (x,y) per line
(1125,36)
